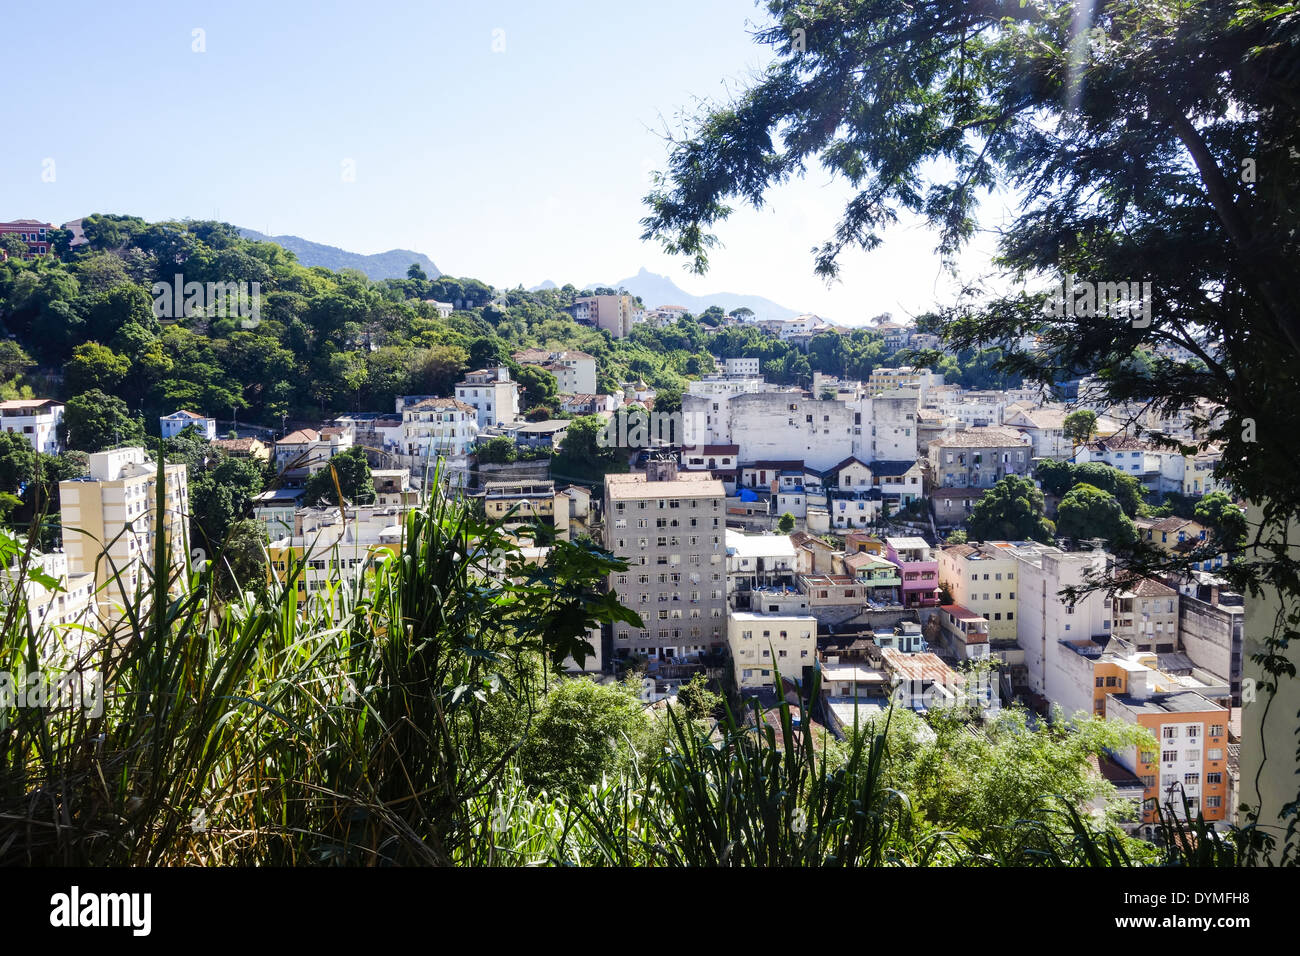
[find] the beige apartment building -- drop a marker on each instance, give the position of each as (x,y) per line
(616,314)
(670,528)
(1145,615)
(982,576)
(762,644)
(111,517)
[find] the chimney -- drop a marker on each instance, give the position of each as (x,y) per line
(661,469)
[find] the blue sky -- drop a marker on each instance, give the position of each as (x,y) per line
(513,165)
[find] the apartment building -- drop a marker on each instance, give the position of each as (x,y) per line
(616,314)
(574,371)
(110,520)
(520,503)
(1191,741)
(1158,469)
(71,603)
(905,376)
(1045,426)
(1145,616)
(434,428)
(328,546)
(37,420)
(757,561)
(741,366)
(979,457)
(1045,619)
(981,576)
(920,570)
(492,394)
(965,634)
(275,509)
(393,488)
(763,644)
(306,451)
(670,528)
(1211,628)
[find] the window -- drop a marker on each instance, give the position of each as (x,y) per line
(1169,756)
(1216,730)
(1213,778)
(1213,801)
(1170,733)
(1214,753)
(1192,779)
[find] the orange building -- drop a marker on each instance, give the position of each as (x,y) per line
(1190,761)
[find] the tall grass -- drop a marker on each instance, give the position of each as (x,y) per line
(347,728)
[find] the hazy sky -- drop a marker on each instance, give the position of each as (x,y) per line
(514,165)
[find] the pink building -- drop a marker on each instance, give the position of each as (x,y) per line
(919,569)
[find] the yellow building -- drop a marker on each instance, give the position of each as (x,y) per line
(761,644)
(111,517)
(981,576)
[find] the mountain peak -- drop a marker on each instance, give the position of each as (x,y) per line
(382,265)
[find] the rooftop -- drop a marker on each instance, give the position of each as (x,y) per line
(989,437)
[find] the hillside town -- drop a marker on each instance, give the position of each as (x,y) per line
(774,534)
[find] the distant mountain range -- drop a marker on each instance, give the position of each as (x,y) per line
(653,289)
(382,265)
(656,290)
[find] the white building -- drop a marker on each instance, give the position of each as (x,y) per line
(742,366)
(1046,622)
(492,394)
(307,451)
(574,371)
(171,425)
(434,428)
(37,420)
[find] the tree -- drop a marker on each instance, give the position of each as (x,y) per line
(1188,173)
(695,698)
(487,352)
(243,559)
(354,480)
(94,422)
(1013,510)
(219,496)
(956,537)
(498,450)
(1080,426)
(413,271)
(1218,513)
(1088,512)
(583,456)
(14,361)
(786,523)
(579,732)
(668,401)
(539,385)
(17,462)
(12,246)
(95,366)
